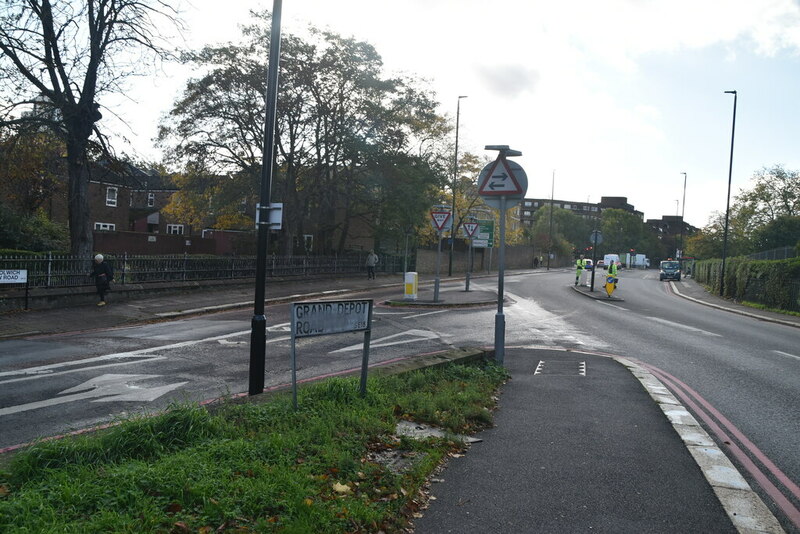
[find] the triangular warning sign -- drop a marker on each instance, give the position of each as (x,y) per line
(470,228)
(500,180)
(440,219)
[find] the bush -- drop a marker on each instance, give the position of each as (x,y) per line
(31,232)
(767,282)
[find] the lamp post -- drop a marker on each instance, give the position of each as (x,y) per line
(258,334)
(683,213)
(455,181)
(728,202)
(550,235)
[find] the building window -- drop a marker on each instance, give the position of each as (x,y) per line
(527,203)
(536,204)
(526,213)
(111,197)
(151,200)
(567,207)
(594,208)
(110,227)
(176,229)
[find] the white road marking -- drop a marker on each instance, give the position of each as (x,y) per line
(612,305)
(786,354)
(414,335)
(112,387)
(108,359)
(683,326)
(424,314)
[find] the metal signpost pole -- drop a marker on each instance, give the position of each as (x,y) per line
(499,319)
(595,235)
(258,335)
(438,266)
(502,184)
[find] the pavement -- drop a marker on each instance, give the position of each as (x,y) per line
(581,442)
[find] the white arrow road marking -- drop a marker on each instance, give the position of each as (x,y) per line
(416,335)
(109,359)
(683,326)
(786,354)
(112,388)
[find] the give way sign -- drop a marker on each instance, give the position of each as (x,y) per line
(441,220)
(470,228)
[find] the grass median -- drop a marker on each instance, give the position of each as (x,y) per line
(335,464)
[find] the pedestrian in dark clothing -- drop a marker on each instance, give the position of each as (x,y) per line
(103,276)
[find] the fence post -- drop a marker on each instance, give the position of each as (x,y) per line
(124,266)
(184,266)
(231,268)
(49,267)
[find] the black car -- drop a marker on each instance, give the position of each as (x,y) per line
(670,270)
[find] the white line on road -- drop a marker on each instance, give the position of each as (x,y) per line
(48,370)
(424,314)
(407,337)
(786,354)
(612,305)
(683,326)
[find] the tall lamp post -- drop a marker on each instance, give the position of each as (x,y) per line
(550,235)
(683,213)
(258,334)
(455,181)
(728,203)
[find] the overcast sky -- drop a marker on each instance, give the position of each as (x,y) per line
(616,97)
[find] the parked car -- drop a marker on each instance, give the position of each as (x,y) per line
(601,264)
(670,270)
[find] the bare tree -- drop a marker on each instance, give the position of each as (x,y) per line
(56,58)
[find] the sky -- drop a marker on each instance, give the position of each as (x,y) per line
(602,97)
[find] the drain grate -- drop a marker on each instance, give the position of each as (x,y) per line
(560,368)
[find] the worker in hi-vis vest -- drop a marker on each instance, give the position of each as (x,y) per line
(612,271)
(580,264)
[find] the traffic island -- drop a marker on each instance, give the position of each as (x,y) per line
(597,294)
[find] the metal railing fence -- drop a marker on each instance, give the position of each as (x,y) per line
(63,271)
(782,253)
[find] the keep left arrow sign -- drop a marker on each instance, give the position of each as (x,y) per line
(104,388)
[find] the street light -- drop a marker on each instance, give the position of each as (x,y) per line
(550,235)
(455,180)
(728,203)
(258,333)
(683,212)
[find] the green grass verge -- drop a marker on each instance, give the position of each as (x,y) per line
(767,308)
(253,467)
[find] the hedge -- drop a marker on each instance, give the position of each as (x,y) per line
(772,283)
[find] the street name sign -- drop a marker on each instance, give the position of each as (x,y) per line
(13,276)
(322,318)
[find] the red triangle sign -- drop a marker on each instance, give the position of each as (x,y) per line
(470,228)
(440,219)
(500,180)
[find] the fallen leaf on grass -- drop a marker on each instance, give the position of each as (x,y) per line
(5,491)
(344,489)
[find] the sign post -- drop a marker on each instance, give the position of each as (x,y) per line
(502,184)
(596,239)
(441,220)
(470,227)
